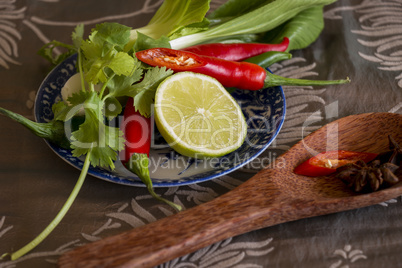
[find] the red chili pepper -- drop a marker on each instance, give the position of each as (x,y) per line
(135,156)
(241,75)
(326,163)
(236,51)
(137,132)
(229,73)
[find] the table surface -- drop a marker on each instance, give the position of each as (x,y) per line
(361,39)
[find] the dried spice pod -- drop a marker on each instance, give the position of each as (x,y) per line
(368,177)
(394,155)
(384,171)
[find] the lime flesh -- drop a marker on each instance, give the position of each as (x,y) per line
(197,116)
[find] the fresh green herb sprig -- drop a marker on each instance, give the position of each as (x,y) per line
(102,59)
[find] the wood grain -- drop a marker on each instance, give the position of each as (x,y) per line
(271,197)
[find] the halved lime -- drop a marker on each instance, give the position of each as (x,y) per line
(197,116)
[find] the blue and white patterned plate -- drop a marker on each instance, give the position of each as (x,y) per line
(264,111)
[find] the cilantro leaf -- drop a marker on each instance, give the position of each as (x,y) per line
(64,112)
(94,63)
(112,33)
(119,85)
(59,109)
(95,72)
(79,98)
(103,151)
(122,64)
(48,52)
(91,50)
(78,36)
(144,91)
(143,101)
(100,57)
(112,107)
(94,136)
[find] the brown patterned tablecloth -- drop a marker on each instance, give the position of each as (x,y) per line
(362,39)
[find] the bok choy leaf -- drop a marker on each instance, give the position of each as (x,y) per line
(302,30)
(265,17)
(172,16)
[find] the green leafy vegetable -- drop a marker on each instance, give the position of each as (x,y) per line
(145,42)
(172,16)
(267,16)
(191,28)
(302,30)
(234,8)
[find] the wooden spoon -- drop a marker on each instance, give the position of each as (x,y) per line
(272,196)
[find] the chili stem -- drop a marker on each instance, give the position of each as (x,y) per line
(138,164)
(21,252)
(273,80)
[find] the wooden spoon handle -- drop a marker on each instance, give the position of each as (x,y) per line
(248,207)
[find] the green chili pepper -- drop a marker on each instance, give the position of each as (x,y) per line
(52,131)
(268,58)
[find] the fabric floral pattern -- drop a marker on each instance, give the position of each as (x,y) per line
(9,34)
(368,33)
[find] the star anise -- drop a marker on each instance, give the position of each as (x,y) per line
(394,155)
(361,176)
(385,170)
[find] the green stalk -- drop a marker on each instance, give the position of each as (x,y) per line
(31,245)
(80,70)
(52,131)
(102,91)
(138,164)
(273,80)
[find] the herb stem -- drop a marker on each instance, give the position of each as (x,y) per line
(21,252)
(104,86)
(80,70)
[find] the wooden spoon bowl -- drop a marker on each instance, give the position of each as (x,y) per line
(272,196)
